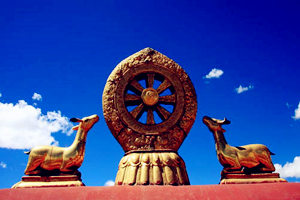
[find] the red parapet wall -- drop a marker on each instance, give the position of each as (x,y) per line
(272,191)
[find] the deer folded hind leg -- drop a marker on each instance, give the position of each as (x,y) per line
(33,164)
(268,166)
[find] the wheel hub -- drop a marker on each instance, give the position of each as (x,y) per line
(150,96)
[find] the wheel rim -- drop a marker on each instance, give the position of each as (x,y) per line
(155,99)
(149,102)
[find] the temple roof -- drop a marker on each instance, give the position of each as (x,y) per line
(263,191)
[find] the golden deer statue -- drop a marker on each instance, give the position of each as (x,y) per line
(51,159)
(243,159)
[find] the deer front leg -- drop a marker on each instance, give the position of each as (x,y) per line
(69,165)
(234,169)
(230,163)
(34,172)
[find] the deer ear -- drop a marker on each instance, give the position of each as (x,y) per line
(226,121)
(75,120)
(75,128)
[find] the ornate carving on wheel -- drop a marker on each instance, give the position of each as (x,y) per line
(149,102)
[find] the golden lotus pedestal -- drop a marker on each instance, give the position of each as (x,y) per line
(49,181)
(152,168)
(251,178)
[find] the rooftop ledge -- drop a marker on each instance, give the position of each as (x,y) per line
(263,191)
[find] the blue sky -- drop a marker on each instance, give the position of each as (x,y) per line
(65,51)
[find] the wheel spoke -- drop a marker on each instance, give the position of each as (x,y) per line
(150,117)
(150,80)
(138,111)
(163,86)
(169,99)
(162,112)
(132,97)
(137,86)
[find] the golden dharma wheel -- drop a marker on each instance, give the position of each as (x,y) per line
(150,105)
(149,102)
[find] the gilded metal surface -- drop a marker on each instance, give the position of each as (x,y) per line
(132,118)
(149,104)
(252,180)
(165,168)
(253,158)
(167,92)
(229,178)
(49,181)
(47,160)
(150,98)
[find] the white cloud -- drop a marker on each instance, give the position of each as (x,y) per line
(214,73)
(297,112)
(3,165)
(37,96)
(109,183)
(289,169)
(242,89)
(23,126)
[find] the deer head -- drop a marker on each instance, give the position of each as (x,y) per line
(85,123)
(215,124)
